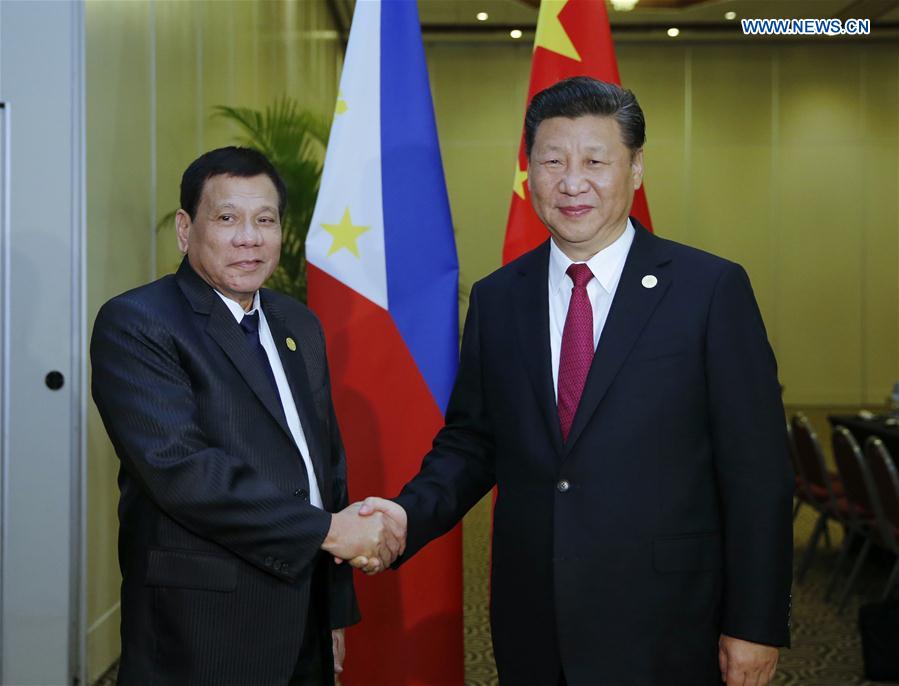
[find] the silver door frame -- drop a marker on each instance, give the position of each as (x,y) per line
(42,329)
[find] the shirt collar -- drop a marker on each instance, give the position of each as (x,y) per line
(235,307)
(605,265)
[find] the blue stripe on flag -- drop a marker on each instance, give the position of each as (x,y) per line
(422,267)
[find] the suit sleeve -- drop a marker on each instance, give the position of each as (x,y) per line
(752,465)
(459,469)
(344,609)
(149,409)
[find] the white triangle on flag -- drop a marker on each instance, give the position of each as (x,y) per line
(346,237)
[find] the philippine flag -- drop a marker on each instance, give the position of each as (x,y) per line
(383,278)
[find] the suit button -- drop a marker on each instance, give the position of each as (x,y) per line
(268,561)
(563,486)
(302,493)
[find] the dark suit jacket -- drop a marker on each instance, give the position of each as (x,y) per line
(217,538)
(673,522)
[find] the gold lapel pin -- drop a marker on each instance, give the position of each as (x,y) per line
(291,344)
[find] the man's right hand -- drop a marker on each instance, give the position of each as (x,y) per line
(396,518)
(373,537)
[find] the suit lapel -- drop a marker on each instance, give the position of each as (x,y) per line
(631,309)
(294,364)
(231,339)
(226,332)
(531,305)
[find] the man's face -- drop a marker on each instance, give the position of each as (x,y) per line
(234,242)
(582,179)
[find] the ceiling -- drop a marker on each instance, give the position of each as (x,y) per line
(694,17)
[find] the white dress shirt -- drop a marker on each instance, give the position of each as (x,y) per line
(606,266)
(290,408)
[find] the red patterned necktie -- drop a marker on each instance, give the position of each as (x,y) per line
(577,347)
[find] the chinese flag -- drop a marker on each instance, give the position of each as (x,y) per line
(573,39)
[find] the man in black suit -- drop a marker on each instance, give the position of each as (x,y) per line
(216,396)
(620,391)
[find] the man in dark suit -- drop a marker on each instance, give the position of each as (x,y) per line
(215,394)
(620,391)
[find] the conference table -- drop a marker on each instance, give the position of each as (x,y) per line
(885,427)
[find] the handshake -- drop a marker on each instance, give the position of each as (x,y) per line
(369,535)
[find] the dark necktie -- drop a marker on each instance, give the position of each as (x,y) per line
(250,326)
(577,350)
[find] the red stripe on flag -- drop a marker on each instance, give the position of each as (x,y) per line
(411,631)
(587,25)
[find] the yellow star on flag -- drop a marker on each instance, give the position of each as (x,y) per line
(345,234)
(550,32)
(521,175)
(341,106)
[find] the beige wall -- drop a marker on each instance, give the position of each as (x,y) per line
(781,157)
(119,257)
(141,134)
(479,96)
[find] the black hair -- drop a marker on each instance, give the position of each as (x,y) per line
(230,161)
(580,96)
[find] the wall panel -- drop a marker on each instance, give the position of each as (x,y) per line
(119,257)
(479,97)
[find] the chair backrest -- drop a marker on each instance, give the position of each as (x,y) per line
(857,482)
(791,448)
(886,479)
(808,452)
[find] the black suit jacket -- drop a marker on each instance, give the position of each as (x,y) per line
(664,520)
(217,539)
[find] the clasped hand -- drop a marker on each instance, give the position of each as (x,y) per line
(370,535)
